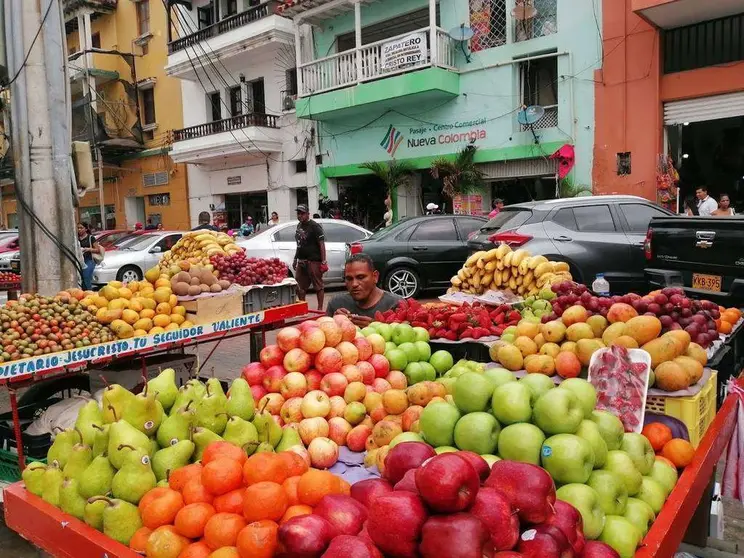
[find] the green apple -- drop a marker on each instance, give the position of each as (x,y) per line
(424,351)
(612,492)
(415,373)
(511,330)
(477,432)
(590,432)
(403,333)
(640,451)
(376,325)
(508,337)
(472,392)
(621,535)
(410,350)
(567,458)
(369,330)
(448,383)
(665,475)
(429,372)
(610,428)
(445,449)
(385,330)
(499,376)
(557,411)
(442,361)
(420,334)
(437,423)
(584,391)
(397,359)
(586,500)
(539,384)
(405,437)
(510,403)
(490,458)
(521,442)
(640,514)
(389,346)
(546,293)
(622,465)
(652,493)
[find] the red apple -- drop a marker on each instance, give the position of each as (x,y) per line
(507,554)
(332,332)
(328,360)
(367,370)
(380,364)
(349,352)
(529,488)
(544,541)
(367,491)
(312,340)
(408,482)
(352,373)
(288,338)
(410,416)
(348,329)
(253,372)
(293,384)
(448,483)
(346,546)
(363,346)
(313,378)
(455,536)
(480,464)
(308,324)
(343,512)
(306,536)
(297,360)
(406,456)
(357,438)
(291,410)
(381,385)
(395,523)
(323,453)
(272,380)
(338,430)
(498,516)
(334,384)
(271,355)
(258,392)
(568,520)
(597,549)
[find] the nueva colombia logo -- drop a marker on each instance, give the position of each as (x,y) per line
(392,140)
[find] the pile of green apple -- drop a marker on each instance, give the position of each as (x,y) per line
(407,349)
(537,306)
(610,476)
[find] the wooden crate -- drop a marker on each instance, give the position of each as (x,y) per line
(210,309)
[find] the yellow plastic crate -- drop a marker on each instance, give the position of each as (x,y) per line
(697,412)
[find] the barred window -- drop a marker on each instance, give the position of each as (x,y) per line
(488,22)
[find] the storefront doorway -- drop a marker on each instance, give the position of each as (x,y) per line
(239,206)
(361,200)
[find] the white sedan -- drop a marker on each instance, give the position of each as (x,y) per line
(279,241)
(130,261)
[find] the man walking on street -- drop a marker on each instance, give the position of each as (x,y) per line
(310,258)
(706,205)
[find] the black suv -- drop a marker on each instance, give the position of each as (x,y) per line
(594,234)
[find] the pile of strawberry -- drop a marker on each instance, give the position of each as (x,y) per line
(469,321)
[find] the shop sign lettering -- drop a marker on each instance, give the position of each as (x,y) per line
(407,51)
(470,131)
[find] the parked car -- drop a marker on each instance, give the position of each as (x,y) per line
(124,239)
(9,249)
(279,242)
(596,234)
(108,238)
(419,253)
(134,257)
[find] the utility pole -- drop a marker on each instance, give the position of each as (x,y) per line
(41,145)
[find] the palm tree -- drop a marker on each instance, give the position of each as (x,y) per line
(392,173)
(459,176)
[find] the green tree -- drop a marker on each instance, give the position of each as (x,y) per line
(459,176)
(392,173)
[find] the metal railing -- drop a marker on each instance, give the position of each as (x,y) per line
(367,64)
(229,23)
(226,125)
(548,120)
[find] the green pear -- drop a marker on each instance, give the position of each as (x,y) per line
(62,446)
(89,416)
(51,483)
(177,426)
(211,410)
(171,458)
(154,447)
(80,457)
(163,484)
(290,437)
(202,437)
(93,513)
(123,435)
(115,400)
(70,500)
(33,476)
(97,477)
(240,432)
(192,391)
(268,429)
(134,479)
(100,444)
(120,520)
(240,400)
(145,412)
(265,447)
(164,387)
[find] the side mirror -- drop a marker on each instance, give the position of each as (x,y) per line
(155,250)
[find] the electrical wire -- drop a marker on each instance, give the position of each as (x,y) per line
(31,47)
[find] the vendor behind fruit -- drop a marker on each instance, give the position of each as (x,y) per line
(363,297)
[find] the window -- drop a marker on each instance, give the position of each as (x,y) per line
(468,226)
(150,179)
(507,219)
(638,215)
(435,229)
(594,218)
(232,7)
(205,15)
(300,166)
(488,21)
(258,96)
(287,234)
(236,102)
(539,86)
(215,106)
(565,218)
(535,18)
(336,232)
(95,40)
(406,23)
(290,79)
(148,106)
(623,163)
(167,243)
(143,17)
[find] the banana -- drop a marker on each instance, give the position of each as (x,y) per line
(468,271)
(497,280)
(474,258)
(512,284)
(476,281)
(524,266)
(456,281)
(490,266)
(461,274)
(543,268)
(519,279)
(480,264)
(487,280)
(560,266)
(528,278)
(537,260)
(500,264)
(508,258)
(492,254)
(519,255)
(505,276)
(502,251)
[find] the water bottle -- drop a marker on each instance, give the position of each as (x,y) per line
(600,286)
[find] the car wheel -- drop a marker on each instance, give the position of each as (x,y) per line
(128,274)
(403,282)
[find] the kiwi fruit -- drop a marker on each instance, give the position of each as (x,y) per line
(181,289)
(195,290)
(225,284)
(216,288)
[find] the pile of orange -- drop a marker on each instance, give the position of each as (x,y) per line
(230,505)
(729,317)
(674,451)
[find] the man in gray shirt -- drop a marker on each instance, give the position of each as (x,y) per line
(363,297)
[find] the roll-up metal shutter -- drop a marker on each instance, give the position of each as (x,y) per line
(517,168)
(704,108)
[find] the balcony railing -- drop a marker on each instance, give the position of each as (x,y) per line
(341,70)
(250,15)
(548,120)
(226,125)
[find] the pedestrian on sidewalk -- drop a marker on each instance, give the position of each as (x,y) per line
(724,207)
(496,206)
(706,205)
(310,258)
(89,246)
(204,224)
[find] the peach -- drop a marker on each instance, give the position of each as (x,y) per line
(328,360)
(349,352)
(288,338)
(334,384)
(397,379)
(357,437)
(338,430)
(395,401)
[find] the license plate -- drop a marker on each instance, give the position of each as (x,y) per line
(706,282)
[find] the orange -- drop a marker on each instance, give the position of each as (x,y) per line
(138,542)
(294,511)
(264,500)
(679,452)
(345,487)
(222,530)
(165,542)
(290,487)
(731,315)
(161,510)
(194,491)
(151,495)
(658,434)
(222,475)
(258,539)
(196,550)
(225,552)
(725,327)
(178,478)
(223,449)
(191,519)
(147,313)
(315,484)
(294,463)
(232,502)
(264,467)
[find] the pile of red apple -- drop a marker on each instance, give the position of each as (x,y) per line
(239,268)
(450,505)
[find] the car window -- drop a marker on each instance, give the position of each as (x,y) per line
(435,229)
(468,225)
(139,242)
(167,242)
(594,218)
(638,215)
(565,218)
(507,219)
(287,234)
(338,232)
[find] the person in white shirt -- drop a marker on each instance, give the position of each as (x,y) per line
(706,205)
